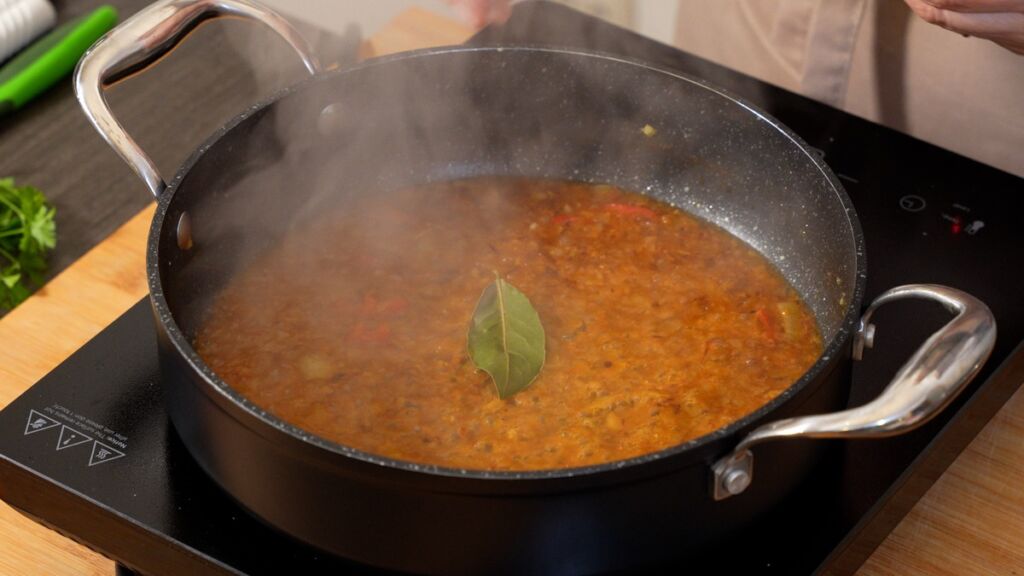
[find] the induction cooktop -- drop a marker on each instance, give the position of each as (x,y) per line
(89,450)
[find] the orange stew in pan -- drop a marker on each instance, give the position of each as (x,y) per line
(660,327)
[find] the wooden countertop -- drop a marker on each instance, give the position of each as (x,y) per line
(970,522)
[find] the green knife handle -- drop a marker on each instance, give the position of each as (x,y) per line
(52,57)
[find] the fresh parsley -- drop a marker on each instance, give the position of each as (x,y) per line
(27,233)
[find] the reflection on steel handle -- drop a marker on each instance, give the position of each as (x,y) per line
(929,380)
(140,42)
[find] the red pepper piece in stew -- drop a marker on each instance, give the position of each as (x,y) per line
(767,324)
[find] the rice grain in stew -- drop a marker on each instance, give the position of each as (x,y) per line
(660,327)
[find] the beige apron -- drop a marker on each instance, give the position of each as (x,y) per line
(877,60)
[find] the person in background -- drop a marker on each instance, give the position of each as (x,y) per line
(950,72)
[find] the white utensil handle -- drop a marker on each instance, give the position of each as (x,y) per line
(21,21)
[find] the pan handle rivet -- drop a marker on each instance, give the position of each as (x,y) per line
(736,481)
(869,336)
(184,231)
(330,120)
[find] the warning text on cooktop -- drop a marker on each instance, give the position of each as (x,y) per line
(77,435)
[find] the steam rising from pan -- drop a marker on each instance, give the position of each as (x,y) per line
(456,113)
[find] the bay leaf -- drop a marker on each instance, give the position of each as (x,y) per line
(506,338)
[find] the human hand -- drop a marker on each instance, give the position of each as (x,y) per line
(480,13)
(1001,21)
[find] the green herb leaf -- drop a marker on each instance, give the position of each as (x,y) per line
(27,233)
(506,338)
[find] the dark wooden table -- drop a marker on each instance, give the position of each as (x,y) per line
(217,72)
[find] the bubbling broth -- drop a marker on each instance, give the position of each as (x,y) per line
(660,327)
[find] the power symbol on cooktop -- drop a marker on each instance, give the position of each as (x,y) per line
(912,203)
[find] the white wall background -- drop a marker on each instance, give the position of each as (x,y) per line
(654,18)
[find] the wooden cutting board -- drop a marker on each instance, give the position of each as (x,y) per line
(970,522)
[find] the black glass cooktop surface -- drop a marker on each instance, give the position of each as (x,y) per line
(90,452)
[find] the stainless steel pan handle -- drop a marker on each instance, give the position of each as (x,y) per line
(926,383)
(142,40)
